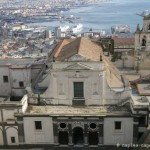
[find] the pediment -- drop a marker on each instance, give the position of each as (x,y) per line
(78,66)
(77,57)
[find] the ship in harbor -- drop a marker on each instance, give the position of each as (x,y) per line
(120,29)
(77,28)
(64,28)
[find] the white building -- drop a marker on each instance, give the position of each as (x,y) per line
(16,75)
(87,102)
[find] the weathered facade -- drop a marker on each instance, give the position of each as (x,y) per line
(87,102)
(142,46)
(16,75)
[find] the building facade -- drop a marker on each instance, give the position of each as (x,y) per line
(16,75)
(142,46)
(87,103)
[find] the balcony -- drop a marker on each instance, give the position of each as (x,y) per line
(78,102)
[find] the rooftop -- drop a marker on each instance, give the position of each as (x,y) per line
(15,61)
(144,89)
(5,101)
(81,46)
(131,76)
(77,111)
(59,46)
(140,101)
(123,40)
(18,62)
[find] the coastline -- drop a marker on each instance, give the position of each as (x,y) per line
(102,16)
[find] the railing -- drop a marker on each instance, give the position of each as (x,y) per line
(78,102)
(38,76)
(44,76)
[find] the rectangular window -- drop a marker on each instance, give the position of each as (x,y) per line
(117,125)
(78,90)
(142,120)
(13,139)
(38,125)
(5,79)
(21,84)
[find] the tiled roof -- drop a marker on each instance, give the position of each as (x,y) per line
(59,46)
(81,46)
(123,40)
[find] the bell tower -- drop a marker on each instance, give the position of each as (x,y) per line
(142,46)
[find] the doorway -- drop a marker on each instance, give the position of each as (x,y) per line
(63,137)
(93,138)
(78,138)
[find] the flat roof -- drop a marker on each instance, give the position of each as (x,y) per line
(15,61)
(139,100)
(19,62)
(5,102)
(77,111)
(144,89)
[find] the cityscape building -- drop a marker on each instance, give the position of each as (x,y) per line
(86,97)
(60,89)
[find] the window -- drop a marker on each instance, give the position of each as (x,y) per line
(142,120)
(13,139)
(63,138)
(63,125)
(38,125)
(117,125)
(144,41)
(78,90)
(93,126)
(5,79)
(21,84)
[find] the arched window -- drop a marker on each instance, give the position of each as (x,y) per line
(144,41)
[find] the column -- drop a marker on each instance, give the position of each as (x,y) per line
(56,132)
(70,134)
(21,133)
(100,134)
(85,133)
(135,130)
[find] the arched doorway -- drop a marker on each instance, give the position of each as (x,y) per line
(63,137)
(78,138)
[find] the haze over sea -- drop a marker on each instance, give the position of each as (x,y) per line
(106,14)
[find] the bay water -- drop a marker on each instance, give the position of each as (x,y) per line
(103,15)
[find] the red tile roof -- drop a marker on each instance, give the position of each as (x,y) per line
(58,48)
(81,46)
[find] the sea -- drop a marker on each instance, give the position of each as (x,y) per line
(104,15)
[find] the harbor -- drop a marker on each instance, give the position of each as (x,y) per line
(101,16)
